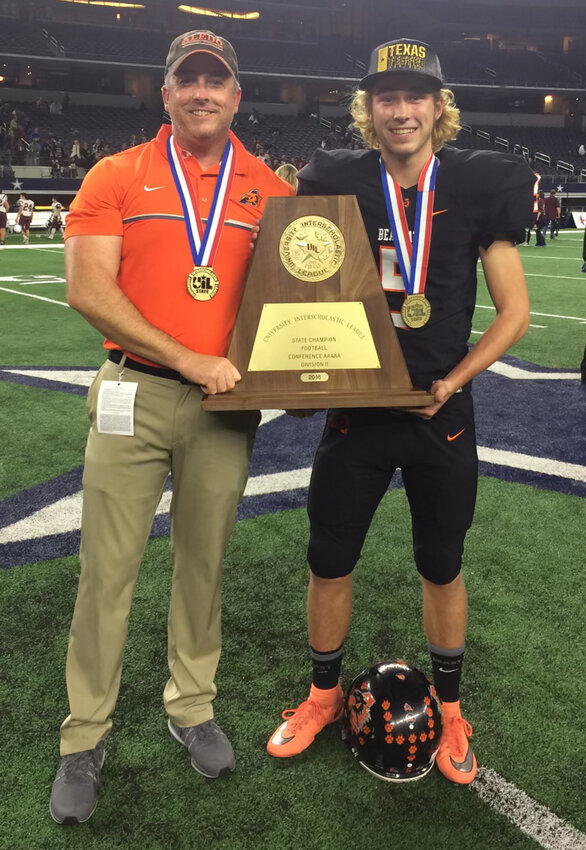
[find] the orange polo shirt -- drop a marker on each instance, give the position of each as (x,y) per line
(132,194)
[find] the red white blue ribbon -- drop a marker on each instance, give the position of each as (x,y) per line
(203,243)
(412,255)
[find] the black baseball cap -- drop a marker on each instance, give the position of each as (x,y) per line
(403,56)
(206,42)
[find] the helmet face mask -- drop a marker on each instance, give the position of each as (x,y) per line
(393,721)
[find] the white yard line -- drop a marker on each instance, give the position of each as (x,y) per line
(518,374)
(38,297)
(543,315)
(535,820)
(65,514)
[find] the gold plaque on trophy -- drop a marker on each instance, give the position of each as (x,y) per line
(312,248)
(313,329)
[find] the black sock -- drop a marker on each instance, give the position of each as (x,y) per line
(447,671)
(326,667)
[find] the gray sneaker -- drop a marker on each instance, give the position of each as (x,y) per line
(210,750)
(74,795)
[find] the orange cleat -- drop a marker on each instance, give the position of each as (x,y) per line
(304,722)
(455,758)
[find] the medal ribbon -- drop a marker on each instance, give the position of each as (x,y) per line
(203,243)
(413,256)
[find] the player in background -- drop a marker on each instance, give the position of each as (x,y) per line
(553,211)
(4,208)
(56,220)
(454,208)
(24,216)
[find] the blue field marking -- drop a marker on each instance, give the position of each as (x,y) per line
(535,418)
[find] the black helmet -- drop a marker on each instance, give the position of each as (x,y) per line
(394,721)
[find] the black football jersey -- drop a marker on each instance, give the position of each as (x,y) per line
(478,194)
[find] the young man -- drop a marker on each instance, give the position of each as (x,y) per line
(552,210)
(4,208)
(158,242)
(476,204)
(24,216)
(56,221)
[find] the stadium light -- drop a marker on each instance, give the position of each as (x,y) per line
(237,16)
(105,3)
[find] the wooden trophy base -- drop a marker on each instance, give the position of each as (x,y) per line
(316,400)
(313,329)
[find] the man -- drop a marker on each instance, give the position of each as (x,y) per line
(539,222)
(56,221)
(24,216)
(482,204)
(552,210)
(164,292)
(4,208)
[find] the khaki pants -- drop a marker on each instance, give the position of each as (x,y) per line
(207,455)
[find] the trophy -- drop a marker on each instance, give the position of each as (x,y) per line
(313,328)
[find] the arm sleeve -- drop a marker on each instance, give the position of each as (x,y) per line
(508,199)
(96,209)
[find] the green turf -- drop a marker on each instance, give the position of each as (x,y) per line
(524,674)
(43,435)
(559,344)
(524,639)
(556,288)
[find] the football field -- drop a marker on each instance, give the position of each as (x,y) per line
(524,684)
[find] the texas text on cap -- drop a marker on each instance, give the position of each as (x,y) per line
(205,41)
(403,56)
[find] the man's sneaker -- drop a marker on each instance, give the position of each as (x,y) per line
(210,750)
(74,795)
(304,722)
(455,758)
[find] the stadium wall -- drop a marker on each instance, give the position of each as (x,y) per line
(513,119)
(124,101)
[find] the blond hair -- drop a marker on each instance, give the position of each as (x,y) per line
(288,173)
(445,130)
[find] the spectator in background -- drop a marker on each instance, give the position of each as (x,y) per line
(85,156)
(75,154)
(581,150)
(553,210)
(20,150)
(34,152)
(46,154)
(288,173)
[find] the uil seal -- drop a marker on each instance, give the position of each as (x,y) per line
(312,248)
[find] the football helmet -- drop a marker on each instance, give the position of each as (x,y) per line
(17,228)
(393,721)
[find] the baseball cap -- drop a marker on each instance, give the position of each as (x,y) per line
(205,41)
(403,56)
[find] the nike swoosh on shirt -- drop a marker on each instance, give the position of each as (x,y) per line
(451,437)
(152,188)
(439,212)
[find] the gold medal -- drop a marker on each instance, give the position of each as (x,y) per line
(416,311)
(202,283)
